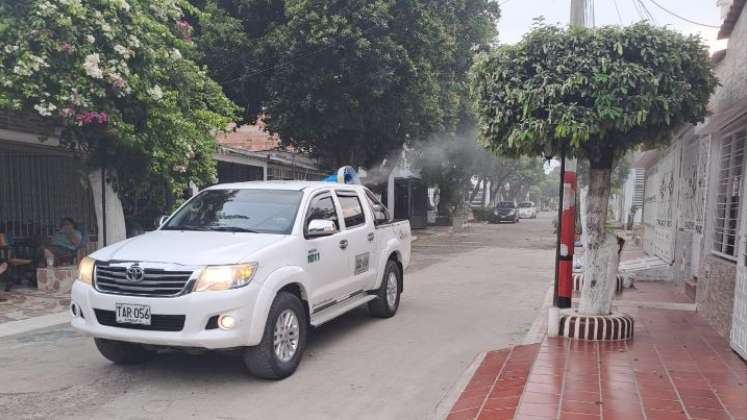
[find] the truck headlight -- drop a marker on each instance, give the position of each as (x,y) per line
(225,277)
(85,270)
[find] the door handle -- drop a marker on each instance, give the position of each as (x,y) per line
(343,244)
(370,236)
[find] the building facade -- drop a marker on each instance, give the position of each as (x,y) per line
(694,214)
(41,182)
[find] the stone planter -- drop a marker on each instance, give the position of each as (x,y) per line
(612,327)
(578,282)
(56,279)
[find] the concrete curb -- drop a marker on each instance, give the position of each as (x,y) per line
(447,401)
(36,323)
(538,330)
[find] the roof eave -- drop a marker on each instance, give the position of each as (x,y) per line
(731,19)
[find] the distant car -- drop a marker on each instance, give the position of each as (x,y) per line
(505,211)
(527,210)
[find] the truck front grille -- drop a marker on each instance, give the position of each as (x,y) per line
(155,282)
(157,322)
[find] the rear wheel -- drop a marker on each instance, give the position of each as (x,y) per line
(279,353)
(123,353)
(387,297)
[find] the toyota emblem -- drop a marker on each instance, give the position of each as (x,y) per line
(135,273)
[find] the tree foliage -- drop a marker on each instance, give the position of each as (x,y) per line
(453,161)
(349,80)
(598,92)
(117,77)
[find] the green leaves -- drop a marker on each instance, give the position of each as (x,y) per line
(598,91)
(117,76)
(348,80)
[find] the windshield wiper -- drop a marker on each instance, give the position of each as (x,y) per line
(186,227)
(232,229)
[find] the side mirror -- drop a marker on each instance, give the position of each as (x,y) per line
(162,220)
(380,213)
(320,227)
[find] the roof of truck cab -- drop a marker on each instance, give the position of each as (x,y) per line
(280,185)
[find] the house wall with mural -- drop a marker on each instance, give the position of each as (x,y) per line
(694,206)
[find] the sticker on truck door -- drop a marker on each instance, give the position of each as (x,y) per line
(313,256)
(361,263)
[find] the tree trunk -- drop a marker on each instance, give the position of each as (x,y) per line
(476,189)
(601,257)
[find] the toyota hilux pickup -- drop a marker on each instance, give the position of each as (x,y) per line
(247,266)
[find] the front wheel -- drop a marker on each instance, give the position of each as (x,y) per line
(387,296)
(123,353)
(279,353)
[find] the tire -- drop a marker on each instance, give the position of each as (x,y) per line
(123,353)
(385,306)
(262,360)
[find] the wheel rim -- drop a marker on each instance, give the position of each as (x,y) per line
(287,331)
(391,290)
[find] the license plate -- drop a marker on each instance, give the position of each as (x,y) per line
(131,313)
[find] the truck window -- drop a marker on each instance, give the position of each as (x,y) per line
(322,207)
(352,211)
(381,215)
(239,210)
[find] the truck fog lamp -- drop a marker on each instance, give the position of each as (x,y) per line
(226,322)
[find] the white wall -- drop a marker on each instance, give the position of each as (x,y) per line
(115,221)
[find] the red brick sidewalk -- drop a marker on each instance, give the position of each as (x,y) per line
(677,367)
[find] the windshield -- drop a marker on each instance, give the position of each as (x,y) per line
(526,204)
(261,211)
(506,205)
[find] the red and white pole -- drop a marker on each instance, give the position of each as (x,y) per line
(567,239)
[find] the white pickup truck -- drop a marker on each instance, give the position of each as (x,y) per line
(248,265)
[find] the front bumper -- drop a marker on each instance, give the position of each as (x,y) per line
(503,218)
(197,308)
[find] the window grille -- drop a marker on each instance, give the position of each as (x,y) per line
(729,194)
(639,182)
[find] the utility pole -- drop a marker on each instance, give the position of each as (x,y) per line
(563,290)
(578,12)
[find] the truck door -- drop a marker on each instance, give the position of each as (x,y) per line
(360,241)
(326,261)
(380,216)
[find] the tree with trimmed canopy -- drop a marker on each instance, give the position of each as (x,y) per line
(594,93)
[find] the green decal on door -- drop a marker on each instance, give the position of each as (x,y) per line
(313,256)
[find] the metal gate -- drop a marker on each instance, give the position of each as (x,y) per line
(37,188)
(659,201)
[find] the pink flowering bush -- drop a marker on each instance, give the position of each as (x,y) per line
(116,75)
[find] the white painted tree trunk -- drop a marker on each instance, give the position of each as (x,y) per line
(583,193)
(601,256)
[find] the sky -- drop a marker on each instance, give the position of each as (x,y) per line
(517,15)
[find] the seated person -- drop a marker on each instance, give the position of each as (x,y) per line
(63,245)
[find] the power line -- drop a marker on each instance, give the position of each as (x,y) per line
(682,17)
(619,15)
(638,10)
(648,12)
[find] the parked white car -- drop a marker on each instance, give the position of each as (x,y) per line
(247,265)
(527,210)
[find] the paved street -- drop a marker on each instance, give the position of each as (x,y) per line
(464,294)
